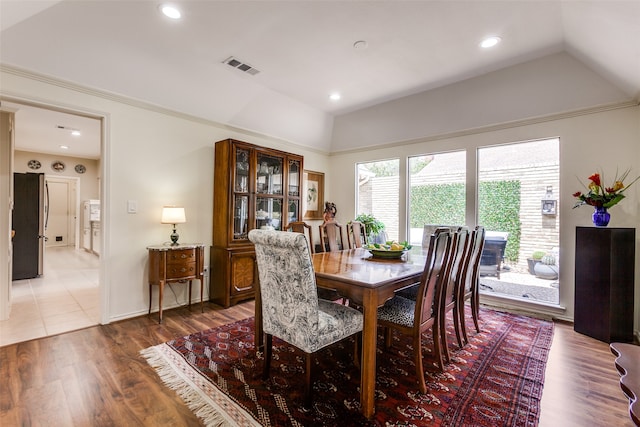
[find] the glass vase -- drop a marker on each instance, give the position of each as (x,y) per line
(600,217)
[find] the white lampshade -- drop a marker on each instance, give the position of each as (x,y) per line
(173,215)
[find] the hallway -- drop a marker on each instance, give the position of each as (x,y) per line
(64,299)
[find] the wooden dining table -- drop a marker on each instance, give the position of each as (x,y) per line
(368,282)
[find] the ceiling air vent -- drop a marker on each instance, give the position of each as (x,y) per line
(233,62)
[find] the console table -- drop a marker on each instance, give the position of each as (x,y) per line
(179,263)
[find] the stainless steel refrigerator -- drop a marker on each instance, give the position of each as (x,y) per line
(29,222)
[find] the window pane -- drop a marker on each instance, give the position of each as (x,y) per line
(378,193)
(436,192)
(517,200)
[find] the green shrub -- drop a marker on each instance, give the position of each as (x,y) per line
(499,203)
(437,204)
(371,224)
(537,255)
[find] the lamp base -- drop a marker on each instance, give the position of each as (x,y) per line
(174,238)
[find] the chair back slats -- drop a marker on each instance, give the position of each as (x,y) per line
(450,292)
(331,236)
(469,288)
(356,234)
(473,262)
(434,275)
(304,228)
(461,252)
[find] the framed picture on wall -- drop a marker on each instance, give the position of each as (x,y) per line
(313,196)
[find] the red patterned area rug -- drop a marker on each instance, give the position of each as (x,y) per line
(495,380)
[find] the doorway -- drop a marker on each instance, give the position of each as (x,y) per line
(67,296)
(61,226)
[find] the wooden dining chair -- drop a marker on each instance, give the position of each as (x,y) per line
(356,234)
(304,228)
(470,281)
(413,318)
(411,292)
(331,236)
(291,309)
(449,296)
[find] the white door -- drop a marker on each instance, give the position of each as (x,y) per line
(61,221)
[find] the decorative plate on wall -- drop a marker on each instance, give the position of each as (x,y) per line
(58,166)
(34,164)
(80,168)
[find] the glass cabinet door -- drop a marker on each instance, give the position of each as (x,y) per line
(269,213)
(294,178)
(269,174)
(241,178)
(240,217)
(292,214)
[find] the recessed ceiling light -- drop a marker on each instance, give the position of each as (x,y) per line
(64,147)
(490,41)
(75,132)
(170,11)
(334,96)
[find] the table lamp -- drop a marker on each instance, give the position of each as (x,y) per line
(173,215)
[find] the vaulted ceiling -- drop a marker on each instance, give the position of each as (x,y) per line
(305,50)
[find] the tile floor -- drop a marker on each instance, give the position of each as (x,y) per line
(64,299)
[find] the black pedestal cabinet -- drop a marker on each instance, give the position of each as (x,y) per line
(605,259)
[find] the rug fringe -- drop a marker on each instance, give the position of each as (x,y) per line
(209,415)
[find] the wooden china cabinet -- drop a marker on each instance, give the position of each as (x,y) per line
(254,187)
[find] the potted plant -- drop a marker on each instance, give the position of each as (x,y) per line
(373,227)
(547,268)
(536,257)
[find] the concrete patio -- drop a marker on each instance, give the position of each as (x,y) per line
(522,286)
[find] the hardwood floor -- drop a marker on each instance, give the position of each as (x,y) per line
(582,386)
(96,377)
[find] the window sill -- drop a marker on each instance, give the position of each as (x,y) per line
(526,307)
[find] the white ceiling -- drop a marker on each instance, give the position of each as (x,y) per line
(46,131)
(304,51)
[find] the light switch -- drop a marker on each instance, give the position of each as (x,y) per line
(132,206)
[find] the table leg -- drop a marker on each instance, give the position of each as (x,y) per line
(150,295)
(160,298)
(258,339)
(368,364)
(201,293)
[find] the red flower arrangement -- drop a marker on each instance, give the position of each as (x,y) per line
(601,196)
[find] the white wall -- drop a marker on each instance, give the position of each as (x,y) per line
(6,192)
(88,181)
(155,158)
(553,84)
(604,140)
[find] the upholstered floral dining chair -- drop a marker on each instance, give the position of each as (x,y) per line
(291,309)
